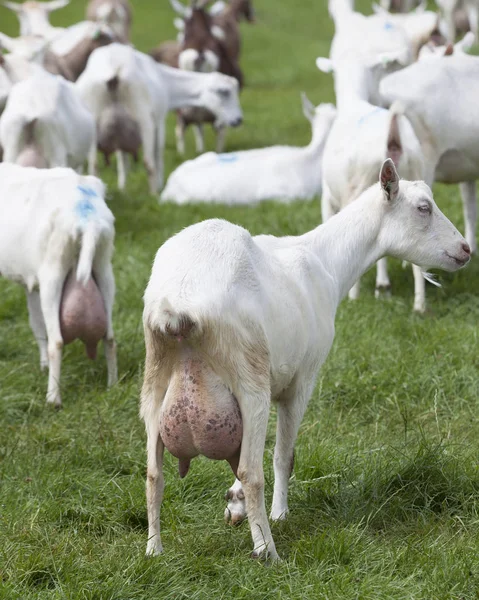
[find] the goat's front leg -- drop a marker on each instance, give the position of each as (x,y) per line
(180,134)
(383,285)
(469,199)
(149,140)
(122,168)
(291,408)
(37,325)
(220,139)
(254,404)
(199,138)
(419,290)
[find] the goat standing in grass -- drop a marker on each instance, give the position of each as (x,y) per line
(56,239)
(233,321)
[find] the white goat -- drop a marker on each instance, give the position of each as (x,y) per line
(45,117)
(115,13)
(446,123)
(233,321)
(34,17)
(430,50)
(147,91)
(56,239)
(361,138)
(282,172)
(12,70)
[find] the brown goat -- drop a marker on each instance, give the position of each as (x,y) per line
(205,47)
(228,21)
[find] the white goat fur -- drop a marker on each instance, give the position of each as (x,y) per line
(263,311)
(282,172)
(34,17)
(148,91)
(445,123)
(12,70)
(44,234)
(356,147)
(64,129)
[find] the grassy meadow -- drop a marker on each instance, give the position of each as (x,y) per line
(385,493)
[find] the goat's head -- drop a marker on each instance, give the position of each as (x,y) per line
(30,47)
(414,229)
(34,15)
(220,95)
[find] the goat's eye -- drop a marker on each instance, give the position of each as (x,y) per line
(224,93)
(424,209)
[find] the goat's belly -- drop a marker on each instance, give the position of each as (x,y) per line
(82,314)
(199,415)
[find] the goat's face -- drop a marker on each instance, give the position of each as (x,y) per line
(413,227)
(220,96)
(203,61)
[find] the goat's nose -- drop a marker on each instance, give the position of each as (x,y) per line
(238,122)
(466,248)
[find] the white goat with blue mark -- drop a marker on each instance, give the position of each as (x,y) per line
(281,172)
(56,239)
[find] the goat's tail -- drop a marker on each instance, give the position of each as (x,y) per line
(172,322)
(89,242)
(394,144)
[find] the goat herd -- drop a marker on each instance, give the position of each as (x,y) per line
(219,344)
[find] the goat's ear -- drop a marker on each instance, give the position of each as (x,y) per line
(218,33)
(7,42)
(179,23)
(325,65)
(15,6)
(422,7)
(449,50)
(55,5)
(389,180)
(308,107)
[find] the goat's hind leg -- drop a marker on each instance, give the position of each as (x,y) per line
(105,280)
(291,408)
(154,388)
(37,325)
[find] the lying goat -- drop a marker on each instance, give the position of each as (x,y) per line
(45,124)
(56,239)
(119,76)
(233,321)
(281,172)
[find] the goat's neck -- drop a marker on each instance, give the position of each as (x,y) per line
(348,243)
(316,146)
(184,87)
(351,84)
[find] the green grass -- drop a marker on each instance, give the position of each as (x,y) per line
(384,497)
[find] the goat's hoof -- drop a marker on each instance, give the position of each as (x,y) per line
(153,550)
(235,512)
(55,403)
(269,557)
(383,292)
(279,515)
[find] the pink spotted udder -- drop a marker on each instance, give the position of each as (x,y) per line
(199,415)
(82,314)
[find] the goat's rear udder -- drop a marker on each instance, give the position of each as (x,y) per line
(199,415)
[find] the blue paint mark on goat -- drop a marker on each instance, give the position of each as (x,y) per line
(84,207)
(227,158)
(373,113)
(388,26)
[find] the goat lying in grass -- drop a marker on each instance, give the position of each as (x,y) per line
(56,239)
(233,321)
(281,172)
